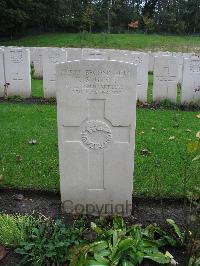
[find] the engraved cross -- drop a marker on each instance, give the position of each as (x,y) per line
(167,76)
(96,134)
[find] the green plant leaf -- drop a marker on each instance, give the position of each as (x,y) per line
(99,258)
(196,158)
(176,229)
(118,222)
(126,243)
(96,263)
(20,251)
(95,228)
(99,246)
(127,263)
(158,257)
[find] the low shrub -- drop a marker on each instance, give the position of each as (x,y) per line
(122,245)
(48,242)
(41,241)
(13,229)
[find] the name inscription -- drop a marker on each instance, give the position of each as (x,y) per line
(166,78)
(96,82)
(97,76)
(17,76)
(101,89)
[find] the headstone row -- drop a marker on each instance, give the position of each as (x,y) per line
(169,70)
(145,63)
(166,78)
(53,56)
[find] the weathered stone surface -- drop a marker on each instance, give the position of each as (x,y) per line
(180,58)
(142,62)
(152,58)
(96,101)
(151,61)
(74,54)
(191,80)
(94,54)
(17,71)
(37,61)
(165,78)
(51,57)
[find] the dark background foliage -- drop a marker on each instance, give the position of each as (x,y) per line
(22,17)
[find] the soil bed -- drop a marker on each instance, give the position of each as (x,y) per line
(145,211)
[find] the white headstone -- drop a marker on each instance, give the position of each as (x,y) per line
(37,61)
(152,56)
(94,54)
(115,54)
(191,80)
(151,61)
(187,55)
(165,78)
(180,58)
(51,57)
(2,74)
(32,50)
(17,72)
(142,61)
(96,101)
(74,54)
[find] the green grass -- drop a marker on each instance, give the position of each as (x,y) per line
(38,167)
(117,41)
(164,162)
(37,88)
(150,89)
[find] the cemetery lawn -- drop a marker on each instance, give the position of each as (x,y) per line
(117,41)
(158,160)
(37,88)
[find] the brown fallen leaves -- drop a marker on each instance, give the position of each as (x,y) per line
(18,158)
(3,252)
(198,135)
(192,146)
